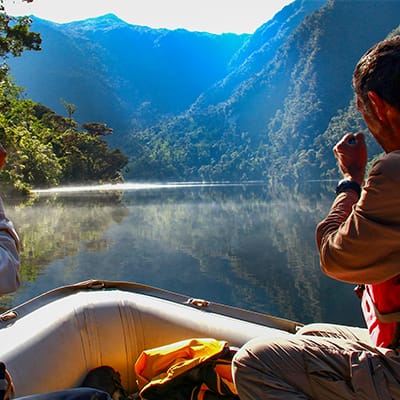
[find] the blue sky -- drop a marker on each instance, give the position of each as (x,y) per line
(216,16)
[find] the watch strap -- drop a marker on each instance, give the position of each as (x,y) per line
(346,184)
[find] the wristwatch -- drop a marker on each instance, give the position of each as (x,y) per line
(345,184)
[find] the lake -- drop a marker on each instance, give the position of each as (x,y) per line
(246,245)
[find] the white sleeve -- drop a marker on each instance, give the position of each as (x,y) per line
(9,255)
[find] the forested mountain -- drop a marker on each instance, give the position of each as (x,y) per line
(116,72)
(188,105)
(258,51)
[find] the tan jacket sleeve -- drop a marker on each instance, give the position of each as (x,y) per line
(359,242)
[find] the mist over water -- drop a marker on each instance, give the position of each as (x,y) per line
(249,246)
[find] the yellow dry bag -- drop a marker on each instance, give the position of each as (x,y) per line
(198,369)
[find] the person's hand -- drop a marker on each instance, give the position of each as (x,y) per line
(351,155)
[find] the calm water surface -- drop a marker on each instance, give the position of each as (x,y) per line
(242,245)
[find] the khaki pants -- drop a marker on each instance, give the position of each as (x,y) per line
(322,362)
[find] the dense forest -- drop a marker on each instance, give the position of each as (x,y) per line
(195,106)
(47,149)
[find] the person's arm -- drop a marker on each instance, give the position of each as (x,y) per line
(9,247)
(339,212)
(351,155)
(359,240)
(9,255)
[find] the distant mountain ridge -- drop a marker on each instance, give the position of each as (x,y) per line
(187,105)
(259,49)
(113,71)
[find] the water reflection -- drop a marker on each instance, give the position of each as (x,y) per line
(243,245)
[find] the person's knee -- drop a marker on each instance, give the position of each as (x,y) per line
(245,372)
(254,354)
(269,355)
(239,362)
(261,365)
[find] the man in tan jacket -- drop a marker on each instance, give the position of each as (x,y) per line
(359,242)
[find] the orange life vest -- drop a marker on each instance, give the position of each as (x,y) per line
(381,308)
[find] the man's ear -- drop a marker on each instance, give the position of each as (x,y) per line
(379,105)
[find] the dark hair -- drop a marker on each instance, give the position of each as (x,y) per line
(379,71)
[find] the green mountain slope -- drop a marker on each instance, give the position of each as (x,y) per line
(187,105)
(271,126)
(114,72)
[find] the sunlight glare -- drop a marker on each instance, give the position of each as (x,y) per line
(137,186)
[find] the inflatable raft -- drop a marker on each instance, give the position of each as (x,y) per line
(50,342)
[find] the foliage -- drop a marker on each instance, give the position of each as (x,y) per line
(97,129)
(71,108)
(47,149)
(15,36)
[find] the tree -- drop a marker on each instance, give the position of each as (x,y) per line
(87,158)
(71,108)
(97,129)
(15,37)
